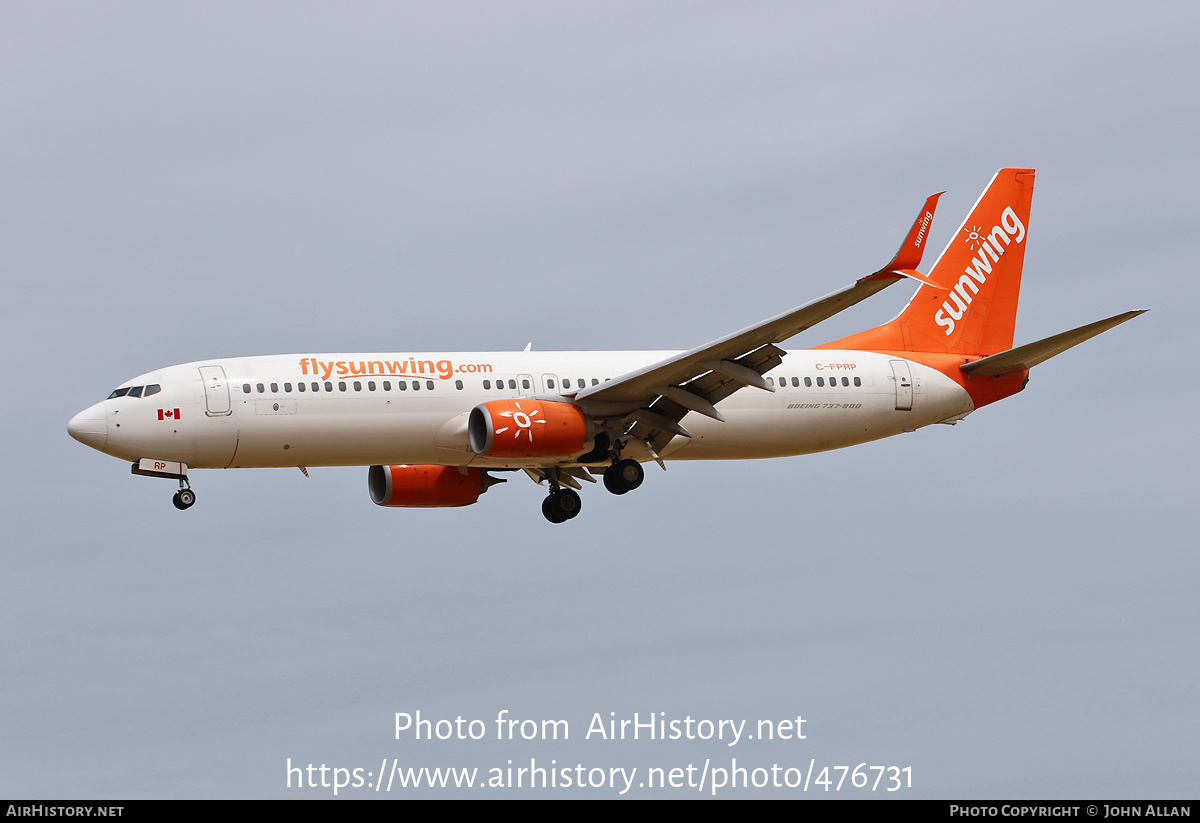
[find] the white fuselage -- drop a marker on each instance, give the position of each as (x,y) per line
(351,411)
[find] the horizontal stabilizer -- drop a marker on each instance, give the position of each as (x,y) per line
(1029,355)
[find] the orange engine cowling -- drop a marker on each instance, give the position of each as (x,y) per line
(524,427)
(425,486)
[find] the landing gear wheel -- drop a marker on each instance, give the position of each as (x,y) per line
(612,482)
(561,505)
(177,502)
(623,476)
(568,502)
(184,499)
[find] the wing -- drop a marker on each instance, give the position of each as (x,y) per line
(653,400)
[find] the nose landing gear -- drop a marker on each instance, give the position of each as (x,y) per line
(185,498)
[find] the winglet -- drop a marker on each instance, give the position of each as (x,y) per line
(911,250)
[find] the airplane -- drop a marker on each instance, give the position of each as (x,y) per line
(436,429)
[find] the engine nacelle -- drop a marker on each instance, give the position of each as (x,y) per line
(425,486)
(524,427)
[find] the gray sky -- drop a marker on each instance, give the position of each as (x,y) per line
(1007,606)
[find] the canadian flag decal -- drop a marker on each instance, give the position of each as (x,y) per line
(168,414)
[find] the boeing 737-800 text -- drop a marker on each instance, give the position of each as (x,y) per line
(435,429)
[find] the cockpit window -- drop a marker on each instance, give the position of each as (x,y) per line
(136,391)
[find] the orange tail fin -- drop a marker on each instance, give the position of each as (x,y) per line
(968,303)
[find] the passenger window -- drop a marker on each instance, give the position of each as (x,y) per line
(371,385)
(487,384)
(246,388)
(401,385)
(416,385)
(387,385)
(808,382)
(821,381)
(153,388)
(429,385)
(136,391)
(595,382)
(845,381)
(458,385)
(357,386)
(512,384)
(287,387)
(261,388)
(328,386)
(549,383)
(525,384)
(770,381)
(300,386)
(857,382)
(316,386)
(274,388)
(341,385)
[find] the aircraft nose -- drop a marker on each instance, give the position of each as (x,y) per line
(90,427)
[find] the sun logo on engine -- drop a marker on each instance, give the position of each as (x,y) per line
(523,419)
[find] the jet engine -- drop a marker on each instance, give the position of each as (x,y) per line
(426,486)
(525,427)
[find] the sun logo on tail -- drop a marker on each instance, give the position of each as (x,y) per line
(523,419)
(974,238)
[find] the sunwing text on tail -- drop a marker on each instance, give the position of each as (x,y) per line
(438,429)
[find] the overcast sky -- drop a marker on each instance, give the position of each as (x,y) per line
(1007,606)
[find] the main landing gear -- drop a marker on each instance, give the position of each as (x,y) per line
(623,476)
(561,505)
